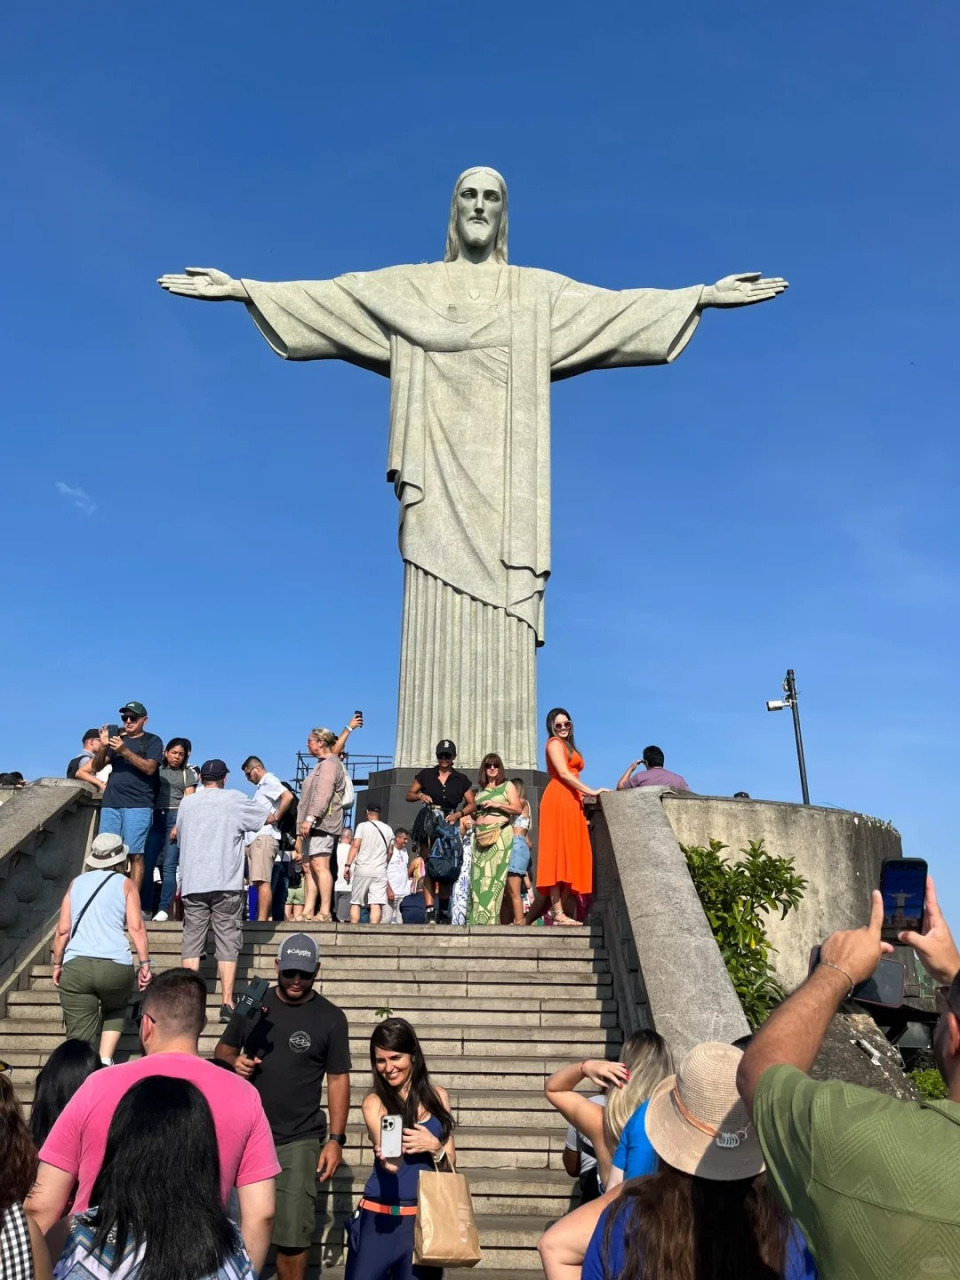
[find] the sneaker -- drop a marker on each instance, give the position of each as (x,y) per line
(430,916)
(106,1062)
(226,1013)
(160,917)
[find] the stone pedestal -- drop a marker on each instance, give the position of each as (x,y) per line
(390,787)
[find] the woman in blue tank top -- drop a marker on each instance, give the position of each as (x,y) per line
(381,1230)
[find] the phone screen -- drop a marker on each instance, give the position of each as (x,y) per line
(884,986)
(903,883)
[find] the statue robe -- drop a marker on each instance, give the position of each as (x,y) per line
(469,458)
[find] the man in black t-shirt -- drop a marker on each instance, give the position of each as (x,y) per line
(126,809)
(447,789)
(300,1037)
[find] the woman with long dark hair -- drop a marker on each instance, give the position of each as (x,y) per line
(23,1253)
(381,1230)
(57,1081)
(156,1210)
(564,856)
(177,780)
(708,1211)
(497,806)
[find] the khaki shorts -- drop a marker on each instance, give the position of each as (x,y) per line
(368,891)
(321,846)
(260,856)
(221,910)
(296,1217)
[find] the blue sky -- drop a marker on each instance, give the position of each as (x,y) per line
(190,521)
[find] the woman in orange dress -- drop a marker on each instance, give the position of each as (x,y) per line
(565,859)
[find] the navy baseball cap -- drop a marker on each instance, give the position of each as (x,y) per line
(213,770)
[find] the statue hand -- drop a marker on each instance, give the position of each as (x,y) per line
(742,290)
(206,283)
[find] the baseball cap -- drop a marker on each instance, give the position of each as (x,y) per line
(446,748)
(213,770)
(106,851)
(299,951)
(374,807)
(137,708)
(91,733)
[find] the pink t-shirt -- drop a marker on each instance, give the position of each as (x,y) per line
(78,1140)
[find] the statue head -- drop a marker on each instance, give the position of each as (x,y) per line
(478,214)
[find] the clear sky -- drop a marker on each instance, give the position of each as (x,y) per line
(189,521)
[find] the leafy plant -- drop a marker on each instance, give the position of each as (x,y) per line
(383,1012)
(736,897)
(930,1083)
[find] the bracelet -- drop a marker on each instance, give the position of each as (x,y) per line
(827,965)
(145,962)
(348,729)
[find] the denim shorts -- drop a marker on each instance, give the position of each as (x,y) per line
(519,857)
(131,825)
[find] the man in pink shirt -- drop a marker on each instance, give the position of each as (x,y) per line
(174,1015)
(654,774)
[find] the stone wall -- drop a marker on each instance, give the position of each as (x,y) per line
(45,831)
(838,852)
(666,966)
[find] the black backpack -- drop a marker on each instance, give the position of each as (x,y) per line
(445,859)
(288,823)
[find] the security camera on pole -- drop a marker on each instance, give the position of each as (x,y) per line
(790,689)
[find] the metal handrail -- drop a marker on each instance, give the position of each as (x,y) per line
(359,767)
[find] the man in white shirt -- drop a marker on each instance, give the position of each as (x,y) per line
(367,866)
(398,876)
(263,846)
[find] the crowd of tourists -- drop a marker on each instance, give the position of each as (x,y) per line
(732,1163)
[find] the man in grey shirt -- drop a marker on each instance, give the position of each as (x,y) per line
(211,827)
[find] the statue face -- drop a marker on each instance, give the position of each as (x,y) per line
(479,210)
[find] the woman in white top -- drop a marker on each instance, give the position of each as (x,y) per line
(91,951)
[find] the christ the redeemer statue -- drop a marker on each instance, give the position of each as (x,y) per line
(470,346)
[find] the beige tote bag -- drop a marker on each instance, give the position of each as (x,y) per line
(446,1232)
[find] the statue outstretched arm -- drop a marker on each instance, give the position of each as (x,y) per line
(742,290)
(206,283)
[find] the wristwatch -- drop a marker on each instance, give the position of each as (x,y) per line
(339,1137)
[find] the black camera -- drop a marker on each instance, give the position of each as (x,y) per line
(249,1010)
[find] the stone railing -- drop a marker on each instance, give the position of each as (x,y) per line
(667,969)
(45,831)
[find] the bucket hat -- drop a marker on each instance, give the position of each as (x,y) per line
(696,1121)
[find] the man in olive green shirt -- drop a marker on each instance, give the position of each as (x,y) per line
(872,1182)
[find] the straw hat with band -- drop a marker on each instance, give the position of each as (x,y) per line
(106,851)
(696,1121)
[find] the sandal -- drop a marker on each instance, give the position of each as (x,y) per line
(561,918)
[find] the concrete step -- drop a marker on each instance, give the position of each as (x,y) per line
(493,1043)
(334,933)
(423,1011)
(384,940)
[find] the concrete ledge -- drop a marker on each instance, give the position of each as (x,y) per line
(667,968)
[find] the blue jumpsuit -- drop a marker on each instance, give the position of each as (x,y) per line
(381,1246)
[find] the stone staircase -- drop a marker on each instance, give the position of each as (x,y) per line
(497,1010)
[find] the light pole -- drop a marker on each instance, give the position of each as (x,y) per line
(790,689)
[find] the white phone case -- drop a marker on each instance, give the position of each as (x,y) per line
(391,1137)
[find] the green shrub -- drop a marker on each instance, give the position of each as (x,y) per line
(736,897)
(929,1082)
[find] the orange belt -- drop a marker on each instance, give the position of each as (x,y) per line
(395,1210)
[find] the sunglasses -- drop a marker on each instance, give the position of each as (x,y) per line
(292,974)
(494,767)
(445,755)
(563,724)
(127,718)
(139,1015)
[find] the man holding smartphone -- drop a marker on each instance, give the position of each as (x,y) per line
(300,1038)
(130,797)
(870,1180)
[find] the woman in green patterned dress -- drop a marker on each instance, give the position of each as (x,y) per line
(497,805)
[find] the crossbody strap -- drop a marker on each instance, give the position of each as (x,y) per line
(83,910)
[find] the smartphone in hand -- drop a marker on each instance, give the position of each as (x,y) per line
(903,884)
(113,730)
(391,1137)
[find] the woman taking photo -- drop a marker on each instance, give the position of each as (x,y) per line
(565,861)
(497,806)
(176,781)
(381,1231)
(708,1211)
(156,1211)
(91,952)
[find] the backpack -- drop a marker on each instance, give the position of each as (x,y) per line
(349,794)
(445,859)
(424,827)
(75,764)
(288,823)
